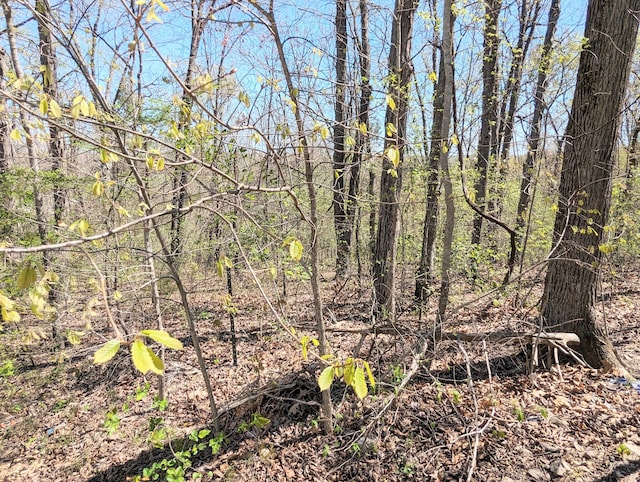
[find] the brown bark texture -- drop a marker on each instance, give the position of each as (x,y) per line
(569,302)
(400,74)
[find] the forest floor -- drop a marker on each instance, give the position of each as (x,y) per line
(70,420)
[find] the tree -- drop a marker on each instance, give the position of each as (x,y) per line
(487,142)
(49,67)
(437,141)
(398,79)
(343,231)
(569,301)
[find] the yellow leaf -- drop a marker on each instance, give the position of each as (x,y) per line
(390,129)
(162,5)
(256,138)
(97,189)
(390,102)
(359,385)
(54,109)
(326,378)
(26,277)
(295,250)
(152,16)
(393,154)
(363,128)
(144,359)
(349,141)
(372,381)
(454,140)
(163,338)
(273,271)
(433,77)
(106,352)
(15,135)
(74,337)
(324,132)
(349,371)
(123,212)
(44,106)
(84,108)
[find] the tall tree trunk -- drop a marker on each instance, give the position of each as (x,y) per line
(487,142)
(33,161)
(48,63)
(6,152)
(529,14)
(342,230)
(200,15)
(533,140)
(585,184)
(632,163)
(430,226)
(400,75)
(447,109)
(327,415)
(362,147)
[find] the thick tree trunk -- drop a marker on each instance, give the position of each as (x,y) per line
(400,75)
(585,185)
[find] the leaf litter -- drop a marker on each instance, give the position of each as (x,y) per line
(73,420)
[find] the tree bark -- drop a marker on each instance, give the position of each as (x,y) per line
(430,225)
(5,149)
(49,65)
(448,110)
(340,199)
(487,141)
(399,78)
(585,185)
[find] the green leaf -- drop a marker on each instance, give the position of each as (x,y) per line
(163,338)
(326,378)
(349,371)
(359,385)
(26,277)
(106,352)
(144,359)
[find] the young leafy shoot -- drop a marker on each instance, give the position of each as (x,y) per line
(352,372)
(144,359)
